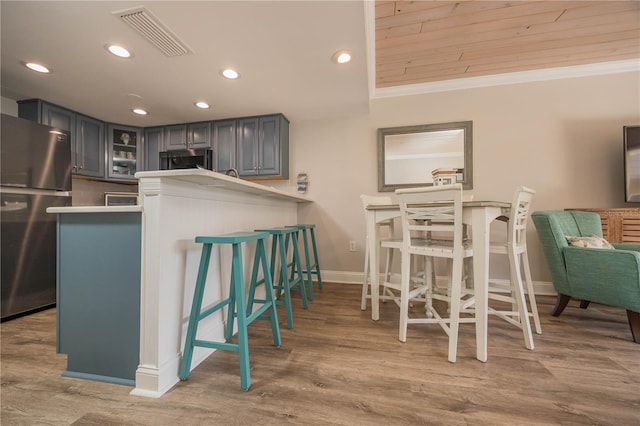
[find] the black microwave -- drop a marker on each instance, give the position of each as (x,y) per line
(187,159)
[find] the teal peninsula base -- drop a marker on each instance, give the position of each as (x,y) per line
(98,292)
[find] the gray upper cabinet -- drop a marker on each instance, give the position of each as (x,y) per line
(188,136)
(87,134)
(224,145)
(124,151)
(153,145)
(199,135)
(61,118)
(247,148)
(270,146)
(90,146)
(258,147)
(263,146)
(175,137)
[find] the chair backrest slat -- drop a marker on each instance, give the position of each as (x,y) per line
(519,216)
(431,209)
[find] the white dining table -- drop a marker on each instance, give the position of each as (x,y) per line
(478,215)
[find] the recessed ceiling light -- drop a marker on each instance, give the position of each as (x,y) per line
(341,57)
(230,74)
(139,111)
(202,105)
(118,51)
(37,67)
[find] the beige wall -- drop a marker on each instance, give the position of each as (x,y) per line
(563,138)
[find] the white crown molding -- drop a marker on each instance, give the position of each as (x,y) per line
(603,68)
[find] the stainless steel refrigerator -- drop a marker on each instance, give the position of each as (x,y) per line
(35,173)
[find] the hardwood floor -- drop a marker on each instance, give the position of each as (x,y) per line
(338,367)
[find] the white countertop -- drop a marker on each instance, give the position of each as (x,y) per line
(208,178)
(95,209)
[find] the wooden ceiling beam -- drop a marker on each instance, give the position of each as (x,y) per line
(425,41)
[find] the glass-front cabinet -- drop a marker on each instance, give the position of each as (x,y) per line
(124,151)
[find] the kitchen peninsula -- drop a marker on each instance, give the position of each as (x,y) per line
(176,206)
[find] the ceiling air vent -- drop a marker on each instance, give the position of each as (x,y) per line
(145,23)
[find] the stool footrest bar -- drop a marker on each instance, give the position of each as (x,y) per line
(216,345)
(257,313)
(213,309)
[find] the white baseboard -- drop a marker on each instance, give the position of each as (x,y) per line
(542,288)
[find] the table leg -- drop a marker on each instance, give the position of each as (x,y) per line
(480,228)
(374,253)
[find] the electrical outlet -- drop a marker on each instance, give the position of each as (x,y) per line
(352,246)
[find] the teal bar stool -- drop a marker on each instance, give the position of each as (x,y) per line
(235,302)
(310,269)
(286,282)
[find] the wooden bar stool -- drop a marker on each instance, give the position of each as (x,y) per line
(286,282)
(310,269)
(235,302)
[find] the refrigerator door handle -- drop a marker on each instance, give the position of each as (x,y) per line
(30,191)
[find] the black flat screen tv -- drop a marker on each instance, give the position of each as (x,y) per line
(632,163)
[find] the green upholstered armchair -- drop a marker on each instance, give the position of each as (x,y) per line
(599,275)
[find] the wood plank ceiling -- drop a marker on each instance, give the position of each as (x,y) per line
(426,41)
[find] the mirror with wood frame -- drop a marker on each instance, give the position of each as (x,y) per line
(408,155)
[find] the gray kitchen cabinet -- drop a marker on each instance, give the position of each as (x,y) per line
(187,136)
(87,134)
(263,146)
(153,145)
(175,137)
(257,146)
(224,145)
(89,147)
(124,148)
(199,135)
(271,145)
(61,118)
(247,148)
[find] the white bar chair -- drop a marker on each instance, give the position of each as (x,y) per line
(433,211)
(515,248)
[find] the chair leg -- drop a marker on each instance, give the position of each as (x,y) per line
(449,280)
(387,275)
(261,256)
(194,318)
(430,281)
(315,257)
(454,308)
(517,292)
(532,295)
(584,304)
(561,302)
(243,340)
(365,282)
(404,296)
(305,245)
(231,313)
(283,282)
(634,324)
(272,267)
(297,265)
